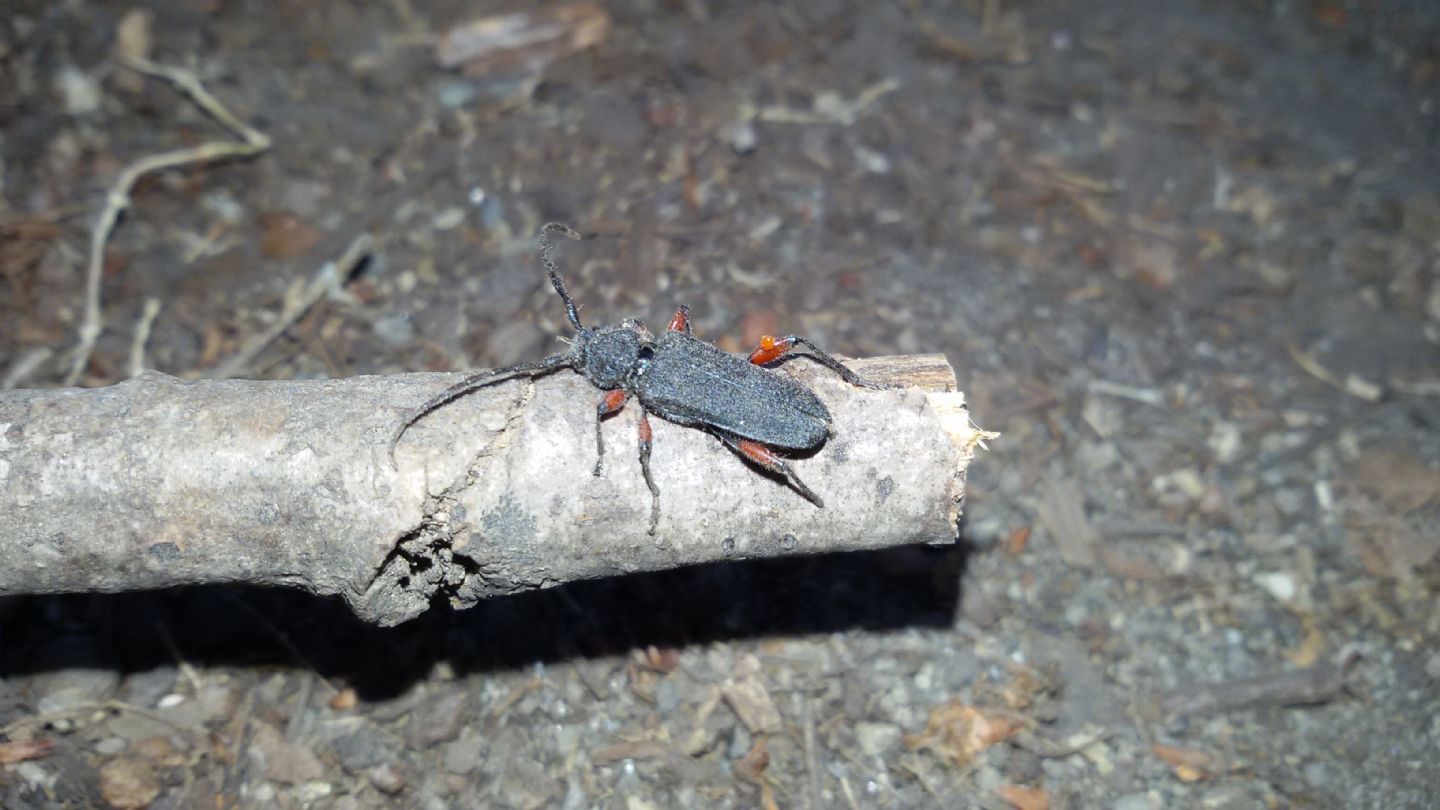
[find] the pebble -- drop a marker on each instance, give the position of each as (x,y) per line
(361,749)
(465,754)
(449,219)
(1279,584)
(455,94)
(70,687)
(742,137)
(440,718)
(283,760)
(394,330)
(387,778)
(1225,442)
(1289,501)
(312,791)
(667,696)
(128,783)
(78,90)
(1132,801)
(877,739)
(110,746)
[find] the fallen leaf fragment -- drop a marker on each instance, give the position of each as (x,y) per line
(286,236)
(749,699)
(959,732)
(21,750)
(663,660)
(1025,798)
(1015,543)
(1190,764)
(751,767)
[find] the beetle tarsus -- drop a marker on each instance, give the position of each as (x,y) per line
(772,349)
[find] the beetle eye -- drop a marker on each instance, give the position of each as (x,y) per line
(646,353)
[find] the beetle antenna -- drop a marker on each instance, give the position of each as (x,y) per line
(571,311)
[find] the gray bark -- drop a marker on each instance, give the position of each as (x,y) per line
(158,482)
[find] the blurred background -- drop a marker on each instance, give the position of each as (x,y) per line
(1184,256)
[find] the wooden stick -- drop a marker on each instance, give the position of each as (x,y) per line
(157,482)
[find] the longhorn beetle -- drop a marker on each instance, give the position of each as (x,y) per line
(679,378)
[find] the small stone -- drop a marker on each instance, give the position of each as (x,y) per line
(465,754)
(147,688)
(1132,801)
(1225,442)
(110,746)
(128,783)
(361,749)
(448,219)
(387,778)
(71,687)
(312,791)
(667,696)
(78,90)
(742,137)
(877,739)
(394,330)
(160,752)
(1289,501)
(1279,584)
(1024,767)
(282,760)
(988,778)
(441,718)
(456,94)
(1189,481)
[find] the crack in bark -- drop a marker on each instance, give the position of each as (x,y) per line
(433,567)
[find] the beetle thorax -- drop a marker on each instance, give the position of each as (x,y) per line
(614,355)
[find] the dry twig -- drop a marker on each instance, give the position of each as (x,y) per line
(1317,684)
(117,199)
(326,281)
(166,482)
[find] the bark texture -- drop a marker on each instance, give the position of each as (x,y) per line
(158,482)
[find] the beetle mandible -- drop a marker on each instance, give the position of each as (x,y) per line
(681,379)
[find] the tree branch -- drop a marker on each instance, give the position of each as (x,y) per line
(157,482)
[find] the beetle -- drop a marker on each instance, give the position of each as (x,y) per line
(755,411)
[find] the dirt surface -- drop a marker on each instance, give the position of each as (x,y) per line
(1185,256)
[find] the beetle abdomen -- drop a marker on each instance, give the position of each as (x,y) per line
(693,383)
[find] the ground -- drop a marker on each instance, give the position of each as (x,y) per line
(1184,256)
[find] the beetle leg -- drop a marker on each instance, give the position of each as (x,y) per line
(769,460)
(645,437)
(610,403)
(681,321)
(772,348)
